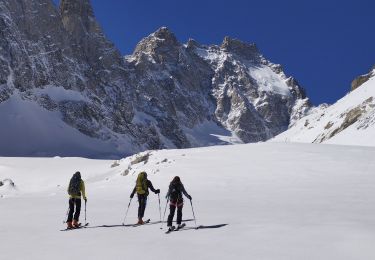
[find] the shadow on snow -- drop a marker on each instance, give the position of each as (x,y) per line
(134,225)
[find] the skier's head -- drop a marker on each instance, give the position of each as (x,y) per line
(144,174)
(176,179)
(77,175)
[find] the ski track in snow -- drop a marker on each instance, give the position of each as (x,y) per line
(279,201)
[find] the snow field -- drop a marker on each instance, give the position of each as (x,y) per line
(280,201)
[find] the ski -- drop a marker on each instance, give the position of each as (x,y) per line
(144,222)
(173,229)
(180,227)
(170,230)
(79,227)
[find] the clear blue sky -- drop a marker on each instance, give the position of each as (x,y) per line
(324,44)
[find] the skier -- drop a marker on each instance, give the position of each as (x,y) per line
(176,188)
(76,189)
(141,187)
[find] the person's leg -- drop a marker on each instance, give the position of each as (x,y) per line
(142,200)
(179,213)
(172,210)
(77,203)
(144,204)
(70,214)
(139,206)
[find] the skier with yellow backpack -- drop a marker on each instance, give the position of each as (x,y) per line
(76,189)
(141,187)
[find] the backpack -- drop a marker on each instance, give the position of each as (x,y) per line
(175,191)
(75,185)
(141,184)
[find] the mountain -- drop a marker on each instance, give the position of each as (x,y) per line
(350,121)
(66,90)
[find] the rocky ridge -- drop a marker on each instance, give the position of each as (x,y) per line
(350,121)
(165,95)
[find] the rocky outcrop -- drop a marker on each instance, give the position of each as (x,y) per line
(357,82)
(165,95)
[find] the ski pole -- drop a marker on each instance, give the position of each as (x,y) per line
(66,215)
(192,208)
(159,207)
(123,223)
(85,213)
(165,210)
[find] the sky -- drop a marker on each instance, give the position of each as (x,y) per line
(324,44)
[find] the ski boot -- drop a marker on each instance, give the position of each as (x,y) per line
(75,224)
(69,225)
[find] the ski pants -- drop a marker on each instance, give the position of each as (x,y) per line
(142,200)
(172,208)
(77,204)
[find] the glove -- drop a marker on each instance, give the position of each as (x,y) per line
(131,195)
(157,191)
(189,197)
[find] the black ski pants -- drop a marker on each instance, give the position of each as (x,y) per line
(74,203)
(142,200)
(172,210)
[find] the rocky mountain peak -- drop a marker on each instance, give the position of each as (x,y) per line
(88,41)
(192,44)
(357,82)
(248,50)
(162,43)
(165,34)
(78,17)
(81,7)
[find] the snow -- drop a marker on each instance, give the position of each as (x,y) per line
(212,55)
(46,133)
(322,122)
(268,80)
(60,94)
(279,201)
(209,133)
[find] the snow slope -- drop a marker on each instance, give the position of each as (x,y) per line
(350,121)
(279,201)
(30,130)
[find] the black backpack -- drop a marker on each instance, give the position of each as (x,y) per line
(175,191)
(75,185)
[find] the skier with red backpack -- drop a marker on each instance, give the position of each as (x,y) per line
(141,188)
(175,191)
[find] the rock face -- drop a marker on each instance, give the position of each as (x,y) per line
(357,82)
(165,95)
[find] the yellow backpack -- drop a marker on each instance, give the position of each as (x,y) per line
(141,184)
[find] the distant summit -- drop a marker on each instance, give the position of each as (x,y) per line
(66,90)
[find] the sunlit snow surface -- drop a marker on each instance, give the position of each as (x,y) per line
(280,201)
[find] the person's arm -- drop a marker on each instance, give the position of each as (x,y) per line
(168,193)
(133,192)
(184,192)
(83,190)
(151,187)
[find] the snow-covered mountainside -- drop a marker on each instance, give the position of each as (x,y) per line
(350,121)
(57,66)
(278,201)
